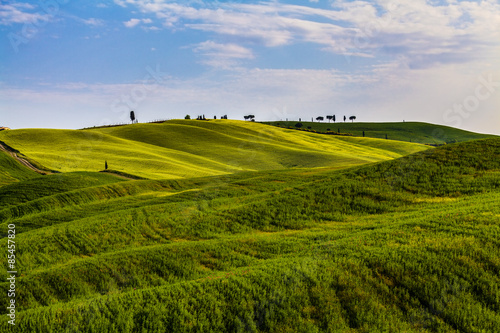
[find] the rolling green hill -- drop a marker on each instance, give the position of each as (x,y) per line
(11,171)
(402,245)
(424,133)
(190,148)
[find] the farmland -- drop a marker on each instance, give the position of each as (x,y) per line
(245,227)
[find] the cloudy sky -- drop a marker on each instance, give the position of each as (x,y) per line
(72,64)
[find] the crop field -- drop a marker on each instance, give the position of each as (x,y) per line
(245,227)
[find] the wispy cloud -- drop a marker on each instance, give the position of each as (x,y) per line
(449,32)
(93,22)
(222,55)
(134,22)
(20,13)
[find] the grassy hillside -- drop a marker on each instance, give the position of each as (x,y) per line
(12,171)
(405,245)
(190,148)
(415,131)
(42,186)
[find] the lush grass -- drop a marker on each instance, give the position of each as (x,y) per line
(403,245)
(190,148)
(12,171)
(406,131)
(42,186)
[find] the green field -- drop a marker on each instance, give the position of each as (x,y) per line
(12,171)
(189,148)
(365,235)
(406,131)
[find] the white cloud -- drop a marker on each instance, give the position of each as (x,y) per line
(133,22)
(18,13)
(453,32)
(222,55)
(93,22)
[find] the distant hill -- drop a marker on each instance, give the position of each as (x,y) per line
(419,132)
(191,148)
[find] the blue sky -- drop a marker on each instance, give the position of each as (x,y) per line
(72,64)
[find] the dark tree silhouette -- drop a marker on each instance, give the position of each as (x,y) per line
(187,117)
(298,125)
(132,116)
(329,118)
(352,118)
(105,165)
(215,117)
(333,118)
(344,118)
(363,134)
(320,118)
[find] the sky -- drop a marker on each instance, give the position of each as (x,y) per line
(74,64)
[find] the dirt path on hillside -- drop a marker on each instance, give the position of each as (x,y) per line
(22,160)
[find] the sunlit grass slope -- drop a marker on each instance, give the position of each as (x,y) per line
(191,148)
(42,186)
(74,150)
(403,131)
(12,171)
(406,245)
